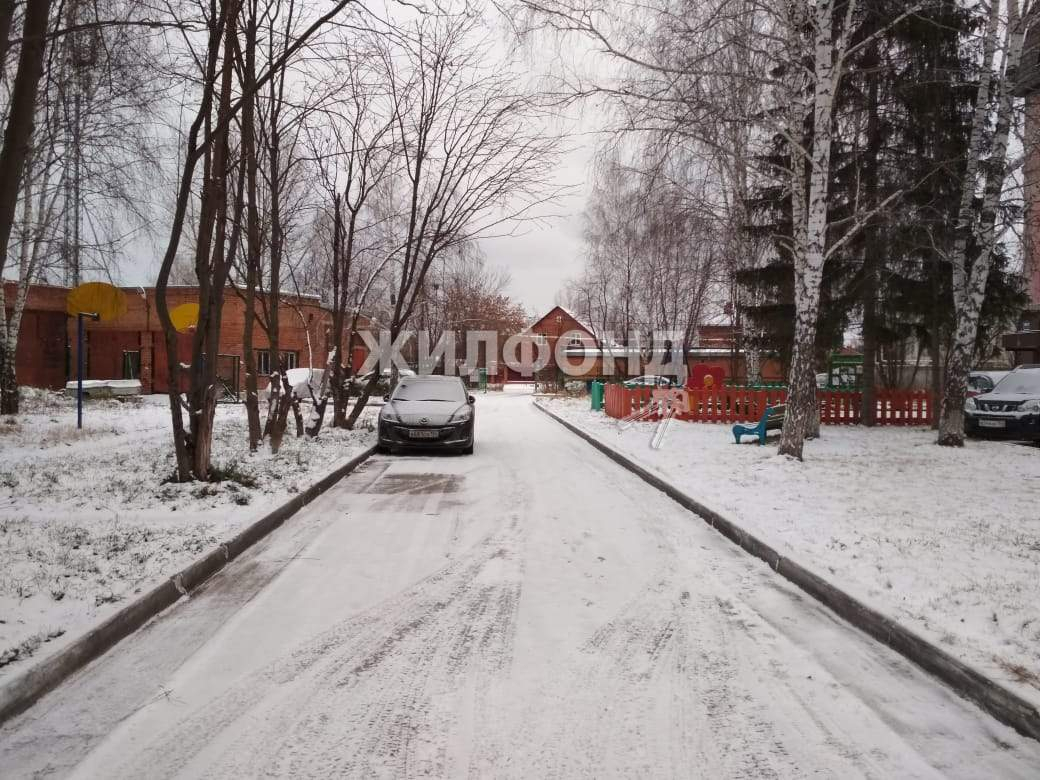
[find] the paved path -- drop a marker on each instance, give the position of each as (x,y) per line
(530,611)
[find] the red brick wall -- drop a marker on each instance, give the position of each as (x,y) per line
(105,352)
(40,357)
(552,326)
(158,378)
(47,329)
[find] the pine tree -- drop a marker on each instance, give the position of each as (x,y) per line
(902,120)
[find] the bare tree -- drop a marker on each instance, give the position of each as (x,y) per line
(471,153)
(90,142)
(353,150)
(462,293)
(17,140)
(785,63)
(977,229)
(208,142)
(646,282)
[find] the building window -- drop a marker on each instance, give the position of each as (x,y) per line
(263,361)
(132,365)
(575,342)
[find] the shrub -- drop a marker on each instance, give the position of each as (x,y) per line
(232,472)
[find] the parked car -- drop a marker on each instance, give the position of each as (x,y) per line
(983,381)
(649,380)
(427,412)
(1011,410)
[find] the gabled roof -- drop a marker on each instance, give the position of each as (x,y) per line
(562,310)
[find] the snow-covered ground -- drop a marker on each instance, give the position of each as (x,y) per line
(947,541)
(87,518)
(532,610)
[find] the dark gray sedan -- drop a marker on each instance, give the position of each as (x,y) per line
(428,413)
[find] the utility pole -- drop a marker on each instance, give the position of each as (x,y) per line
(80,58)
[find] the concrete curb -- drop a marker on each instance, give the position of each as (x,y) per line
(1004,705)
(26,689)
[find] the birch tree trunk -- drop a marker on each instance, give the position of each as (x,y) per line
(33,246)
(809,201)
(976,233)
(9,329)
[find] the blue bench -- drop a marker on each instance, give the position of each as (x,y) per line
(772,419)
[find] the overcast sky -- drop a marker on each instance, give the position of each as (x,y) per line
(538,256)
(543,256)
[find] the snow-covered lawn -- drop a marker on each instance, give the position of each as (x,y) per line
(946,541)
(88,518)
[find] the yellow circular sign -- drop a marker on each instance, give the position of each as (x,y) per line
(104,300)
(185,317)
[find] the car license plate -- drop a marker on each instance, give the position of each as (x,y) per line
(423,434)
(991,423)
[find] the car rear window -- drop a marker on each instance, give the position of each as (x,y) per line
(1019,382)
(419,390)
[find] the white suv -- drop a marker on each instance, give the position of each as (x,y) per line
(1011,410)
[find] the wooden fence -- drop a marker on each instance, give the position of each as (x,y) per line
(736,404)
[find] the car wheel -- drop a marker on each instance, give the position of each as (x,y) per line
(382,449)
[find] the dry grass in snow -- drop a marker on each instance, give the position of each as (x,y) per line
(88,517)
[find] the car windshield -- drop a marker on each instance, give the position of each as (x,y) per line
(1019,382)
(418,390)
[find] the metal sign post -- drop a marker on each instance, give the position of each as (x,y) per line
(79,362)
(99,301)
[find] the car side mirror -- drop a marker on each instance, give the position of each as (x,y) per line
(386,397)
(470,399)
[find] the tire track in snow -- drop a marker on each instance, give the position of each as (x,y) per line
(653,691)
(371,691)
(691,663)
(682,681)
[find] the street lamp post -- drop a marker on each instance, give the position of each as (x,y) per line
(79,362)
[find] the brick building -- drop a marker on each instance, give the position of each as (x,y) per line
(1024,343)
(542,338)
(716,349)
(133,346)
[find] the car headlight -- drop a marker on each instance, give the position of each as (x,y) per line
(388,416)
(970,405)
(463,415)
(1030,406)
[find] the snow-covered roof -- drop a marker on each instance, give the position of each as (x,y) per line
(581,324)
(621,351)
(585,326)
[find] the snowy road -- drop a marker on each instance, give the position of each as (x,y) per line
(530,611)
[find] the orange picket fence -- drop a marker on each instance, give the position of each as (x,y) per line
(736,404)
